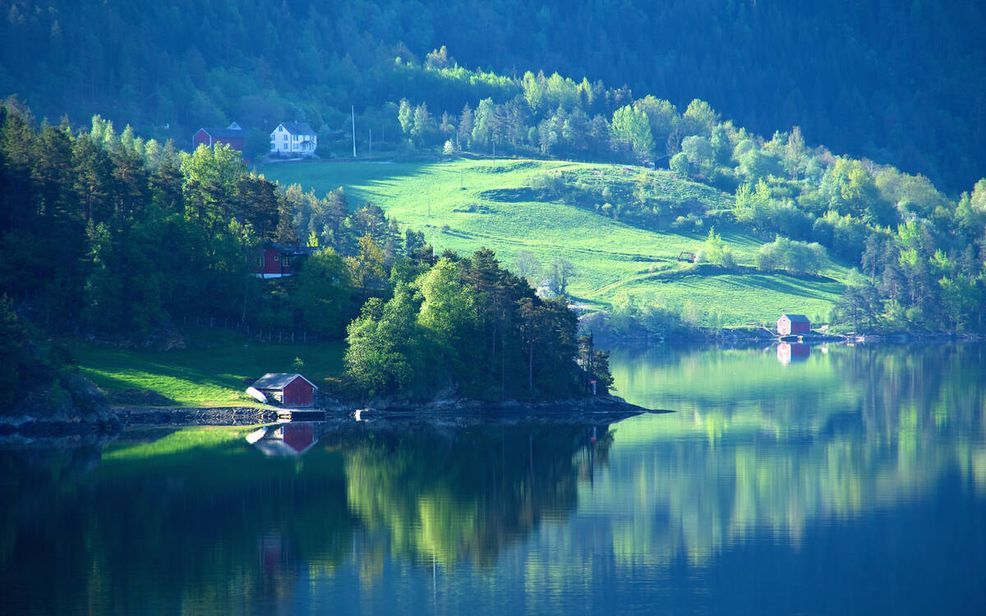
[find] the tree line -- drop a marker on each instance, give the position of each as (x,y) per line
(471,323)
(107,234)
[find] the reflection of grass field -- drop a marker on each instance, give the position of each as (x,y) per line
(466,204)
(179,442)
(213,372)
(731,392)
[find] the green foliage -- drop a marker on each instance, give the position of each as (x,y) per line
(14,354)
(716,252)
(384,353)
(792,256)
(323,293)
(631,127)
(472,326)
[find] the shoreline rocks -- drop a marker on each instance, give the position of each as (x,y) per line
(444,409)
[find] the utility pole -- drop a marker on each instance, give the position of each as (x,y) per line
(352,109)
(371,143)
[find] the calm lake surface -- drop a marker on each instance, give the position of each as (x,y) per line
(790,480)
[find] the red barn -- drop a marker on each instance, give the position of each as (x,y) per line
(288,389)
(793,325)
(276,261)
(233,135)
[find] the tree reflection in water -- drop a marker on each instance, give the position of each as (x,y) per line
(758,454)
(198,519)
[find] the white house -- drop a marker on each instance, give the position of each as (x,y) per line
(293,139)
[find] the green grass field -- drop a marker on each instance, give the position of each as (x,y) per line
(215,371)
(461,205)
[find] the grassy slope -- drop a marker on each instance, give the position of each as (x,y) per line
(213,372)
(609,256)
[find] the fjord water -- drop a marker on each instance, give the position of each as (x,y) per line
(789,480)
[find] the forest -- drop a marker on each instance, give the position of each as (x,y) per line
(855,76)
(116,237)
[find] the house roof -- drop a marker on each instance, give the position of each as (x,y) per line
(298,128)
(279,380)
(225,133)
(288,250)
(796,318)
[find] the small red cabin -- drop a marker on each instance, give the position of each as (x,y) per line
(233,136)
(793,325)
(276,261)
(287,389)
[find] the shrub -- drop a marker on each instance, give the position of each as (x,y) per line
(792,256)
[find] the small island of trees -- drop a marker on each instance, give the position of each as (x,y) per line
(470,324)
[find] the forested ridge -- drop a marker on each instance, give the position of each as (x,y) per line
(109,235)
(898,82)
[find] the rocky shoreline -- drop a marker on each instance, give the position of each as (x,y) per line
(440,410)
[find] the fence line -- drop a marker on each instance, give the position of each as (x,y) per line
(270,335)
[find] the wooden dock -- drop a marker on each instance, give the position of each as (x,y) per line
(301,414)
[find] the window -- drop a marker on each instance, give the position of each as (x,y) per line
(260,260)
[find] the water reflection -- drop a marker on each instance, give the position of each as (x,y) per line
(200,518)
(753,451)
(285,439)
(870,461)
(793,352)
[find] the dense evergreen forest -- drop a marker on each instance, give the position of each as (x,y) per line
(859,77)
(113,236)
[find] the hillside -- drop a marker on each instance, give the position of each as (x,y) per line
(466,204)
(856,76)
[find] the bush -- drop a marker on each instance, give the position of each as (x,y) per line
(716,252)
(792,256)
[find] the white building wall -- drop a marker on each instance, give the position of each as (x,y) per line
(283,142)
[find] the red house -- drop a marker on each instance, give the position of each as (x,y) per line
(233,135)
(793,325)
(288,389)
(276,261)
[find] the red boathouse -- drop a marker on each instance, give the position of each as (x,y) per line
(793,325)
(286,388)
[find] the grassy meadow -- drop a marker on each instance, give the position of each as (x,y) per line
(466,204)
(213,371)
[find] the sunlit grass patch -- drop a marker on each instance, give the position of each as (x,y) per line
(463,205)
(214,371)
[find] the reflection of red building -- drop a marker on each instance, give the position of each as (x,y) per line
(792,352)
(289,439)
